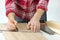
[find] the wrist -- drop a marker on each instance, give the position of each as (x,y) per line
(38,14)
(35,18)
(11,16)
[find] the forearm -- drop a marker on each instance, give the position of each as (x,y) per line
(38,14)
(41,7)
(10,9)
(11,16)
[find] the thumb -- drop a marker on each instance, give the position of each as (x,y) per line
(13,21)
(28,26)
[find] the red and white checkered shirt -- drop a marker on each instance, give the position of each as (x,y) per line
(25,9)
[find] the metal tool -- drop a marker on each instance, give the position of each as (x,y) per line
(48,30)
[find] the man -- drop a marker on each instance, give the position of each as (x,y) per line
(26,10)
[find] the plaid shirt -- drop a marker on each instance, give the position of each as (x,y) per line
(25,9)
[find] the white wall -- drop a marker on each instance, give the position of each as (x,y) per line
(3,18)
(54,10)
(52,14)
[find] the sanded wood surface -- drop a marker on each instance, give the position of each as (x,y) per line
(21,35)
(55,26)
(20,26)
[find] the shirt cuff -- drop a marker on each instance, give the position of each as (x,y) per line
(42,7)
(7,12)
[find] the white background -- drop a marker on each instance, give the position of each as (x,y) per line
(53,12)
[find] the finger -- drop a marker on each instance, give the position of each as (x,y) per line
(35,27)
(15,22)
(32,27)
(12,21)
(38,27)
(28,25)
(11,26)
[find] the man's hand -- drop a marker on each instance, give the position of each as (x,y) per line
(34,25)
(11,22)
(11,25)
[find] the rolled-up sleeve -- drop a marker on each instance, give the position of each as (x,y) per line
(42,4)
(10,6)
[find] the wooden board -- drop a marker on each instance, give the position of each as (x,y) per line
(20,35)
(55,26)
(22,26)
(23,36)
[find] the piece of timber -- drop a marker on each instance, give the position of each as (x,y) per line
(20,27)
(54,26)
(23,36)
(20,35)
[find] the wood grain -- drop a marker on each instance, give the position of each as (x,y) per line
(23,36)
(55,26)
(28,35)
(20,35)
(20,26)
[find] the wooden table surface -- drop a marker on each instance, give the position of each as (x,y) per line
(21,35)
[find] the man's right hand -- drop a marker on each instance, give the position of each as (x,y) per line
(11,25)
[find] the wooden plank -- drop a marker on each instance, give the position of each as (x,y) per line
(28,35)
(22,35)
(55,26)
(21,26)
(3,27)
